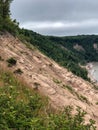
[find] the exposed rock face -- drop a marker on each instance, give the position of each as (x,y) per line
(78,47)
(95,46)
(49,78)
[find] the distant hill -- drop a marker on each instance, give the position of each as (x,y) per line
(70,52)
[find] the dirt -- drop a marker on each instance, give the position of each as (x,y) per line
(95,45)
(47,77)
(78,47)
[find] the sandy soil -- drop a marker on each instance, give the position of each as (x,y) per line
(47,77)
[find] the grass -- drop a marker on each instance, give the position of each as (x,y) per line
(71,90)
(57,81)
(22,108)
(83,98)
(19,104)
(1,59)
(80,97)
(95,87)
(96,103)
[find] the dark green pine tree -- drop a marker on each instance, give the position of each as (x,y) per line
(1,13)
(4,12)
(6,8)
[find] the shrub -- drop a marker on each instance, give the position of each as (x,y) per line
(18,71)
(11,61)
(21,108)
(1,58)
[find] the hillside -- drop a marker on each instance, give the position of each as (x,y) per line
(70,52)
(43,83)
(22,108)
(45,76)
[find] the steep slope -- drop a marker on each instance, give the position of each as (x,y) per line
(19,105)
(59,49)
(43,74)
(69,52)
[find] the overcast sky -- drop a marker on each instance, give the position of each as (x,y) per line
(57,17)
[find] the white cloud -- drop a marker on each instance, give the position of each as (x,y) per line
(54,17)
(57,25)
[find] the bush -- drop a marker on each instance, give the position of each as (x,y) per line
(11,62)
(1,59)
(18,71)
(21,108)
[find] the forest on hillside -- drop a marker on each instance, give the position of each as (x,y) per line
(61,49)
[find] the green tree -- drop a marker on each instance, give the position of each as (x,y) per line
(4,13)
(1,12)
(6,23)
(5,8)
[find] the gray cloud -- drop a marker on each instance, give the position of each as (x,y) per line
(57,17)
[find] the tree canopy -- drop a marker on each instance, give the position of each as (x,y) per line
(5,8)
(6,23)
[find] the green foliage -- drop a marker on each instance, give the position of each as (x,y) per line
(69,88)
(6,24)
(96,87)
(67,122)
(5,8)
(21,108)
(18,71)
(80,97)
(61,49)
(11,61)
(1,59)
(57,81)
(83,98)
(56,50)
(96,103)
(10,26)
